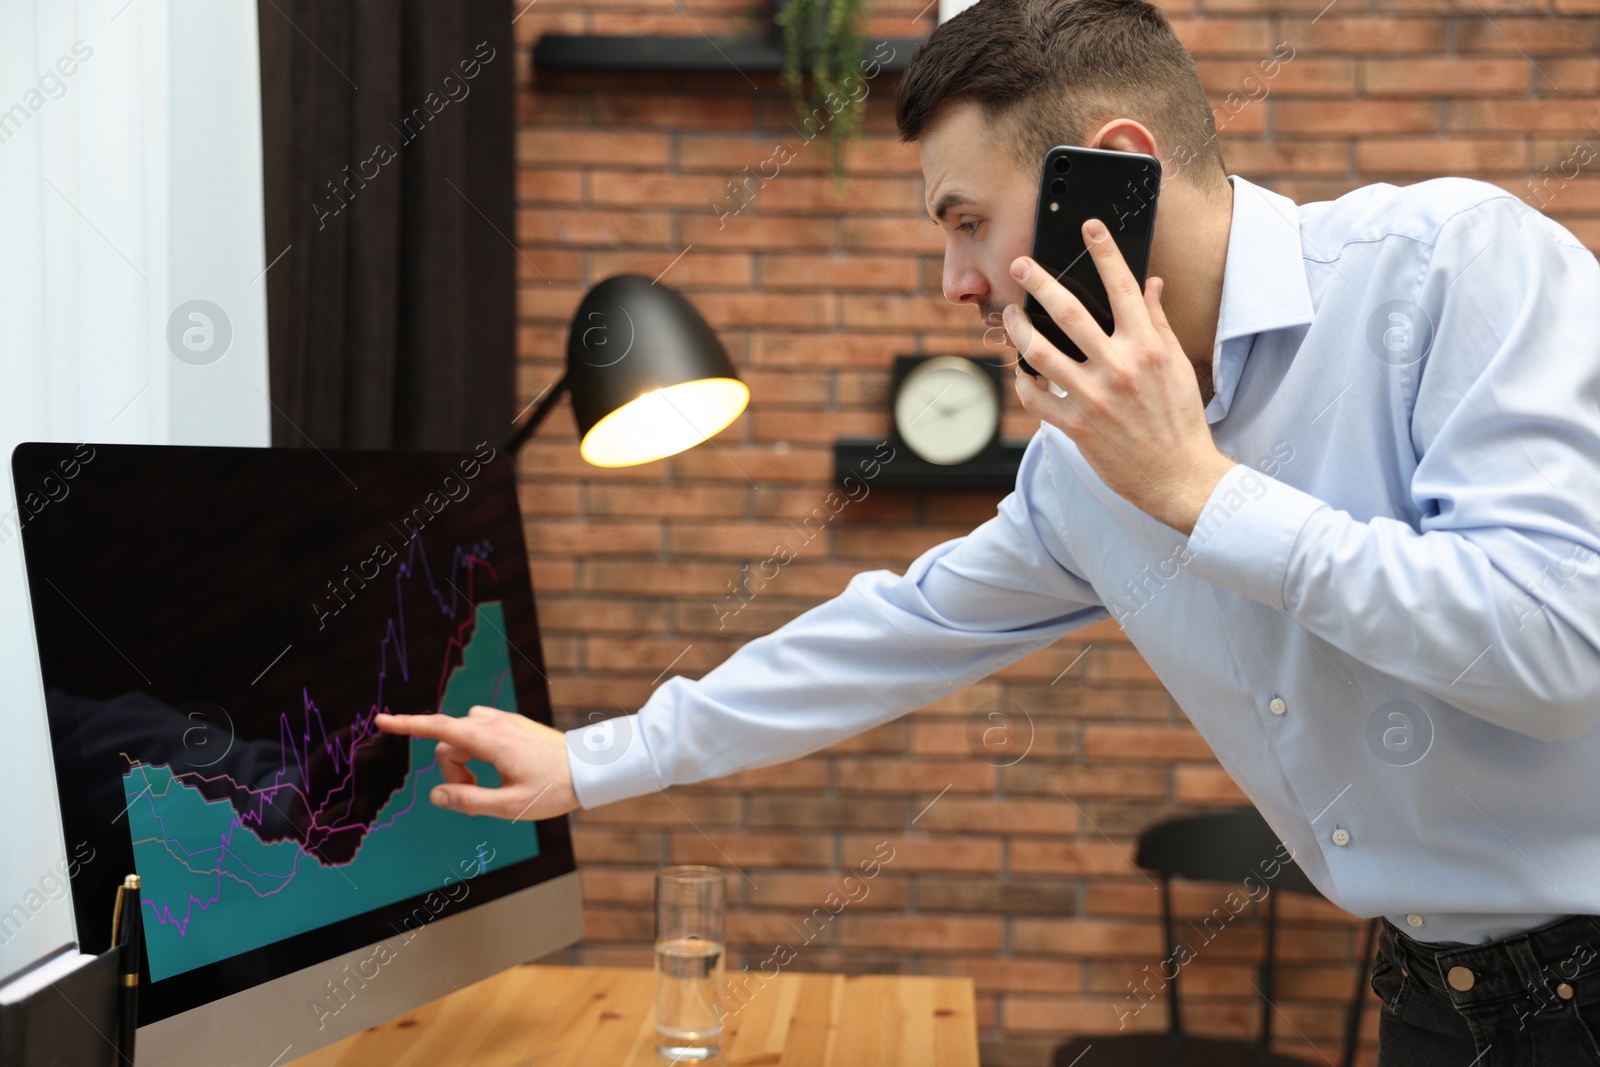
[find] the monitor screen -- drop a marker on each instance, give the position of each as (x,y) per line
(216,629)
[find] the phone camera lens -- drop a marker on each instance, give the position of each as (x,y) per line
(1062,164)
(1058,186)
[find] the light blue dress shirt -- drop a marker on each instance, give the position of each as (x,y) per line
(1386,621)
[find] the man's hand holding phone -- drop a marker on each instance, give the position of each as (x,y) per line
(1133,408)
(535,777)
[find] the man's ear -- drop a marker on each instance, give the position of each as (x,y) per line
(1124,135)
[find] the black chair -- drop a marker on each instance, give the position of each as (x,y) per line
(1225,846)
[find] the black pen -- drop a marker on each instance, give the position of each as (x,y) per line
(127,935)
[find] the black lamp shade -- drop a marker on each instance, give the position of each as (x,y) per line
(647,374)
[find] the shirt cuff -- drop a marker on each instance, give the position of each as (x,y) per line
(609,762)
(1246,533)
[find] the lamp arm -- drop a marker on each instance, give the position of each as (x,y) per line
(520,435)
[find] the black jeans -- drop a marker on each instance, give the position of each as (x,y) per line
(1533,999)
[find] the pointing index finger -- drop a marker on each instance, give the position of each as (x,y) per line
(438,727)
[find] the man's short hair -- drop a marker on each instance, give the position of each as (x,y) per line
(1050,72)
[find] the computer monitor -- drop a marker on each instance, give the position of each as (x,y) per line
(216,628)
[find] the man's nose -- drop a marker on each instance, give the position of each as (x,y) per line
(963,284)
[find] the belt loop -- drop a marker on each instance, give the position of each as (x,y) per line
(1402,959)
(1529,969)
(1535,991)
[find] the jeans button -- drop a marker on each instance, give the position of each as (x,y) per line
(1460,979)
(1564,991)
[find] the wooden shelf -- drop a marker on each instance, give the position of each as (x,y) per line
(994,470)
(747,53)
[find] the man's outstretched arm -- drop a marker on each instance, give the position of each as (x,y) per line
(885,646)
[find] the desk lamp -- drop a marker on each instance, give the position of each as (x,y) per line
(647,375)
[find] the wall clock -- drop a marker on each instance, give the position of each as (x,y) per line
(946,408)
(945,417)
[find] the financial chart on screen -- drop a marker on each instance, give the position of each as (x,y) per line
(217,630)
(217,882)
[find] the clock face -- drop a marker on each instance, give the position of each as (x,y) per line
(947,409)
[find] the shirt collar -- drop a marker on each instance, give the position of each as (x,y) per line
(1263,282)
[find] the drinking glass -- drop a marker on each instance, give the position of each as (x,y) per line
(690,901)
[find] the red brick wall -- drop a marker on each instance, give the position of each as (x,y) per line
(1019,876)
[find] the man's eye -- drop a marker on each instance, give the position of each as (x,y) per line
(970,227)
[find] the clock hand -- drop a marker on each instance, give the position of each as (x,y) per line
(947,412)
(928,405)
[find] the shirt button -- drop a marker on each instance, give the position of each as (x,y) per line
(1341,837)
(1460,979)
(1414,919)
(1278,706)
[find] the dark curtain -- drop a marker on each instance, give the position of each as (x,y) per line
(388,130)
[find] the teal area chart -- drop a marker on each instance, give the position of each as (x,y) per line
(220,878)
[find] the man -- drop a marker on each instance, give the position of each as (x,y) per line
(1334,473)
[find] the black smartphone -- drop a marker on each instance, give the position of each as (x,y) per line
(1119,189)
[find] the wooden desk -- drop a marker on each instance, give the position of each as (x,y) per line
(605,1017)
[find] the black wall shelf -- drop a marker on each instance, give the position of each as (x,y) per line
(996,469)
(748,53)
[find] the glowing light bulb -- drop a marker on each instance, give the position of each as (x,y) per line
(664,422)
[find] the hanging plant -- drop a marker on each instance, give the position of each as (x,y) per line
(820,38)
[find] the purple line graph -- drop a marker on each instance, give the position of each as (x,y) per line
(322,792)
